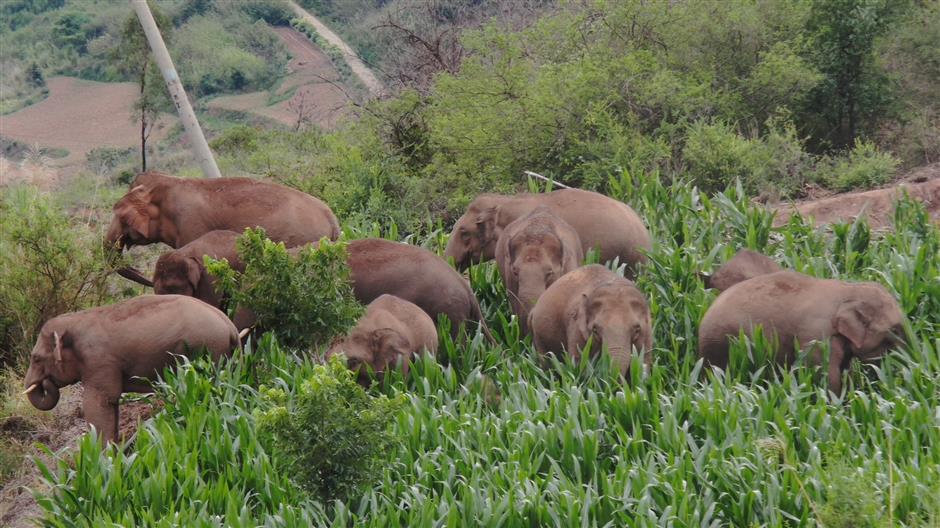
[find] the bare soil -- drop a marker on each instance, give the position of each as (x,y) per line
(79,116)
(59,432)
(877,205)
(317,94)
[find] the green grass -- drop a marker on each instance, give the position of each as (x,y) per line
(492,436)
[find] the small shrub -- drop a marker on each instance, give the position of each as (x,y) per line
(864,166)
(48,266)
(851,499)
(330,434)
(305,299)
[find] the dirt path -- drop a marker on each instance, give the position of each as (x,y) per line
(358,67)
(877,205)
(317,98)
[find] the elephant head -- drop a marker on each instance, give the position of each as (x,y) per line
(617,317)
(135,221)
(177,274)
(380,349)
(532,254)
(870,321)
(474,236)
(53,364)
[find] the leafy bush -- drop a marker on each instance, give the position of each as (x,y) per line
(305,299)
(864,166)
(49,265)
(331,436)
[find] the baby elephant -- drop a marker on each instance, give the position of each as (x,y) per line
(109,347)
(389,335)
(533,252)
(593,301)
(744,265)
(858,319)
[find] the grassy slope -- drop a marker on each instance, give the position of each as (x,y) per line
(489,437)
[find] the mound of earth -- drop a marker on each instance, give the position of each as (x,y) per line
(877,205)
(79,116)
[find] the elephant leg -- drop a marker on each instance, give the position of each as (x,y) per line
(100,407)
(838,360)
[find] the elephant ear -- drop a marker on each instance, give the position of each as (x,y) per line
(62,341)
(486,223)
(194,273)
(579,317)
(852,321)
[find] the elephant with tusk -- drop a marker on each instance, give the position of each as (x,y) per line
(119,348)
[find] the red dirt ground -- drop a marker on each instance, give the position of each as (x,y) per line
(877,205)
(312,76)
(60,433)
(79,116)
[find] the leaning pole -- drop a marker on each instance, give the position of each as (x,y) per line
(177,93)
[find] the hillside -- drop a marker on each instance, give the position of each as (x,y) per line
(714,122)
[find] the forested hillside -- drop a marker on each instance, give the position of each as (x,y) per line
(699,117)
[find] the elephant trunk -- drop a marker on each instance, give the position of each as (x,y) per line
(114,245)
(459,254)
(531,287)
(619,344)
(44,395)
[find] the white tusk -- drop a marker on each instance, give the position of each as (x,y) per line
(31,388)
(244,332)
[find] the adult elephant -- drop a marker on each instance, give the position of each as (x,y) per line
(601,222)
(120,348)
(745,264)
(593,303)
(176,211)
(858,320)
(379,266)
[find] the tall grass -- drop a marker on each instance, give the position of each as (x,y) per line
(493,436)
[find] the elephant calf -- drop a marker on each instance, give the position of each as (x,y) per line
(593,301)
(532,253)
(744,265)
(389,335)
(858,319)
(109,347)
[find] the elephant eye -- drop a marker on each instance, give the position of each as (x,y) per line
(550,274)
(515,271)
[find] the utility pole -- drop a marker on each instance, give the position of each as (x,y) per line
(173,84)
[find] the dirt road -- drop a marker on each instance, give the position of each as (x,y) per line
(358,67)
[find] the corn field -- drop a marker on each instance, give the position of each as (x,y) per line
(495,436)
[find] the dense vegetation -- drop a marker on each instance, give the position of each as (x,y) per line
(489,436)
(694,91)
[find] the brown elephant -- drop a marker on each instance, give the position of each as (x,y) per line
(858,319)
(378,266)
(593,301)
(601,222)
(176,211)
(183,272)
(744,265)
(532,253)
(110,347)
(391,333)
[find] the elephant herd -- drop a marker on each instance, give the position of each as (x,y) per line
(539,242)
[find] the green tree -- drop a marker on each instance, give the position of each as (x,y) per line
(854,91)
(135,61)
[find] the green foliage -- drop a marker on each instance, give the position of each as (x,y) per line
(330,435)
(493,436)
(72,30)
(49,264)
(18,13)
(855,92)
(863,167)
(306,298)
